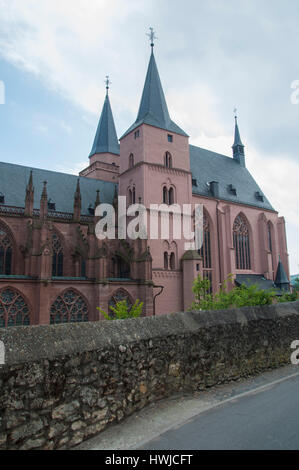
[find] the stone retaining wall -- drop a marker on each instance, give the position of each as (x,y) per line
(62,384)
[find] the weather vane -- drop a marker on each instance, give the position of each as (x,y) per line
(235,113)
(107,81)
(152,37)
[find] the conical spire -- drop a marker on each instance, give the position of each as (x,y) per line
(237,134)
(106,140)
(281,279)
(153,108)
(238,147)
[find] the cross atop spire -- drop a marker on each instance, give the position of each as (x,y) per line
(106,140)
(107,82)
(152,37)
(153,109)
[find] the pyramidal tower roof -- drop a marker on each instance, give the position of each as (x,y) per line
(106,140)
(281,277)
(153,108)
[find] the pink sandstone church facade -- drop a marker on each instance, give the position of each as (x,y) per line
(54,269)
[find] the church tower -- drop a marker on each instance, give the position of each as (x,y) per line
(104,155)
(155,169)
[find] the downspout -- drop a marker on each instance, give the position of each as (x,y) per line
(155,296)
(218,240)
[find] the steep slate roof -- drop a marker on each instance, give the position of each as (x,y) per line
(260,281)
(207,166)
(153,108)
(61,188)
(106,140)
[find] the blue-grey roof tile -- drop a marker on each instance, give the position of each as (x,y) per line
(61,188)
(207,166)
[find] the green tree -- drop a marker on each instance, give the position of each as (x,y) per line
(122,311)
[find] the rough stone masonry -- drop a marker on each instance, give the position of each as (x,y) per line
(63,384)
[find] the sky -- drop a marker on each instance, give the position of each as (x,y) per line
(212,56)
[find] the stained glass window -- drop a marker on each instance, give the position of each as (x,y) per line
(119,296)
(242,243)
(205,251)
(69,307)
(57,260)
(14,311)
(5,252)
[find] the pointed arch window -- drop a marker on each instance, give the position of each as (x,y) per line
(242,243)
(166,260)
(14,310)
(120,268)
(270,244)
(130,196)
(206,252)
(83,267)
(57,258)
(172,261)
(69,307)
(168,160)
(165,195)
(119,296)
(6,251)
(171,196)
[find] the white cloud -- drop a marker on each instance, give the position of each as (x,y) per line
(71,46)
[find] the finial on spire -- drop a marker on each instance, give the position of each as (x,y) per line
(107,81)
(236,114)
(152,37)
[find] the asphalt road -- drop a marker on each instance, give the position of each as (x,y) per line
(260,412)
(265,418)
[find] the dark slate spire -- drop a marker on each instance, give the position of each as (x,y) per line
(238,147)
(281,279)
(153,108)
(106,140)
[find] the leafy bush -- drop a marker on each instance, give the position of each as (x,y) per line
(288,297)
(121,310)
(235,297)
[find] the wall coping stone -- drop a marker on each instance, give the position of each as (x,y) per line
(35,343)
